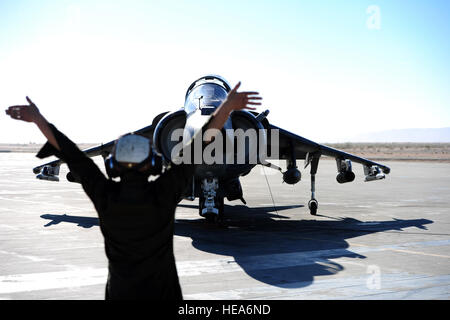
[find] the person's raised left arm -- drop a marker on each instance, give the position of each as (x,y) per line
(175,180)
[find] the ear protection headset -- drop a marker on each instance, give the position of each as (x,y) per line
(133,152)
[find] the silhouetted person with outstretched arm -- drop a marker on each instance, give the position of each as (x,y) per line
(136,216)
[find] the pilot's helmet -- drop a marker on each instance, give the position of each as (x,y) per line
(133,152)
(206,93)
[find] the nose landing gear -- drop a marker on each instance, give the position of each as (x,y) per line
(211,205)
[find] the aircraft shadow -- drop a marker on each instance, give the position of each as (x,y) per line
(272,248)
(88,222)
(282,252)
(85,222)
(268,211)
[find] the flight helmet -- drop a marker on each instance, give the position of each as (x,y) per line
(133,152)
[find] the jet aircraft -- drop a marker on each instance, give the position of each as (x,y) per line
(213,182)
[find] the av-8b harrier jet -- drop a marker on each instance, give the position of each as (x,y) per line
(248,140)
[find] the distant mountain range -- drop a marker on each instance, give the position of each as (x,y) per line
(405,135)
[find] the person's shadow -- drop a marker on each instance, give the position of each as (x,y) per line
(273,248)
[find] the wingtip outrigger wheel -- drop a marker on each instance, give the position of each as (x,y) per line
(313,204)
(48,172)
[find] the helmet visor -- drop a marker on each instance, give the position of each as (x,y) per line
(132,148)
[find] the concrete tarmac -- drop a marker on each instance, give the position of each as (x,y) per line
(387,239)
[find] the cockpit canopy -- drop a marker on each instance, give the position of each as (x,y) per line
(206,94)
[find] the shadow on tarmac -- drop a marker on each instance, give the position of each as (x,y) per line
(85,222)
(282,252)
(272,248)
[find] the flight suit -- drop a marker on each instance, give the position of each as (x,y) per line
(137,222)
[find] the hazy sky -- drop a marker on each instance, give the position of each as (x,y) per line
(327,70)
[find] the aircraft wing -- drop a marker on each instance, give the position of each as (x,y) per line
(292,146)
(50,170)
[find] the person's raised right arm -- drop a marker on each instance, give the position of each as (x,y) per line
(91,178)
(30,113)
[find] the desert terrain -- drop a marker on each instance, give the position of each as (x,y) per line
(374,151)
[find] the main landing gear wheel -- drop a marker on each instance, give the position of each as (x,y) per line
(313,205)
